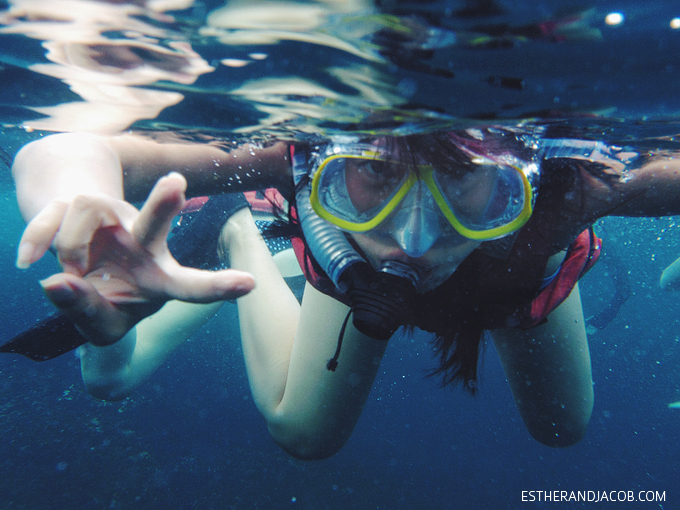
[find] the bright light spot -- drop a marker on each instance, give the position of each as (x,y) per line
(234,62)
(258,56)
(675,23)
(613,18)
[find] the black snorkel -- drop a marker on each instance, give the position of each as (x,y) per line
(380,300)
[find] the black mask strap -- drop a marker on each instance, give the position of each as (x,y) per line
(333,362)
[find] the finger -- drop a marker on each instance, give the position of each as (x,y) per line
(670,278)
(85,216)
(165,201)
(197,286)
(39,234)
(95,317)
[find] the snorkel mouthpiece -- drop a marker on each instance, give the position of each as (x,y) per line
(381,300)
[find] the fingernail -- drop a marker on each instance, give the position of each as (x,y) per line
(25,255)
(245,287)
(174,174)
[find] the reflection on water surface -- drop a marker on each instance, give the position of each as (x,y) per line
(329,66)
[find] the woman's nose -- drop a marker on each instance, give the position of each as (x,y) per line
(415,226)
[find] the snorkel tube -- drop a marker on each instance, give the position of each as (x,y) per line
(380,300)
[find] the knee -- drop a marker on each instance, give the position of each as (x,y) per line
(304,443)
(559,435)
(559,428)
(108,392)
(104,387)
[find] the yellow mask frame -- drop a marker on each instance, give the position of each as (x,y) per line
(426,175)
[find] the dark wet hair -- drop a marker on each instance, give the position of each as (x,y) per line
(449,151)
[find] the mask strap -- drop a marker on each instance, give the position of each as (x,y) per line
(333,362)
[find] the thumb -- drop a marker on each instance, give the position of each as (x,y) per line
(165,201)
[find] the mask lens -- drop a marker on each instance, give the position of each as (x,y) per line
(356,189)
(491,197)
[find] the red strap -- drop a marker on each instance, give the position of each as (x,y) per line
(272,198)
(193,205)
(582,254)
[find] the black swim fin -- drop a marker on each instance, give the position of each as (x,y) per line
(48,339)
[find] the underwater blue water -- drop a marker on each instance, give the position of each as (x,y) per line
(191,438)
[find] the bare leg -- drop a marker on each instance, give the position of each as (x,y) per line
(548,369)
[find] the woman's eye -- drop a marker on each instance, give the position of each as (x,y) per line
(373,167)
(379,170)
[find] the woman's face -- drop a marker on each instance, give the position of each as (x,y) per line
(468,194)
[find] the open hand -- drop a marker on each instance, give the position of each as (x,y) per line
(117,268)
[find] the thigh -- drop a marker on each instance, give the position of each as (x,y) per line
(548,369)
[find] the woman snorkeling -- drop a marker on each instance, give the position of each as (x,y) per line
(455,233)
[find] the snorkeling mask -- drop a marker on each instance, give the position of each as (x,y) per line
(357,188)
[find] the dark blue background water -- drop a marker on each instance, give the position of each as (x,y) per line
(191,437)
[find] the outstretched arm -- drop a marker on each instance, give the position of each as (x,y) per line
(577,192)
(117,269)
(72,188)
(64,166)
(648,187)
(117,265)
